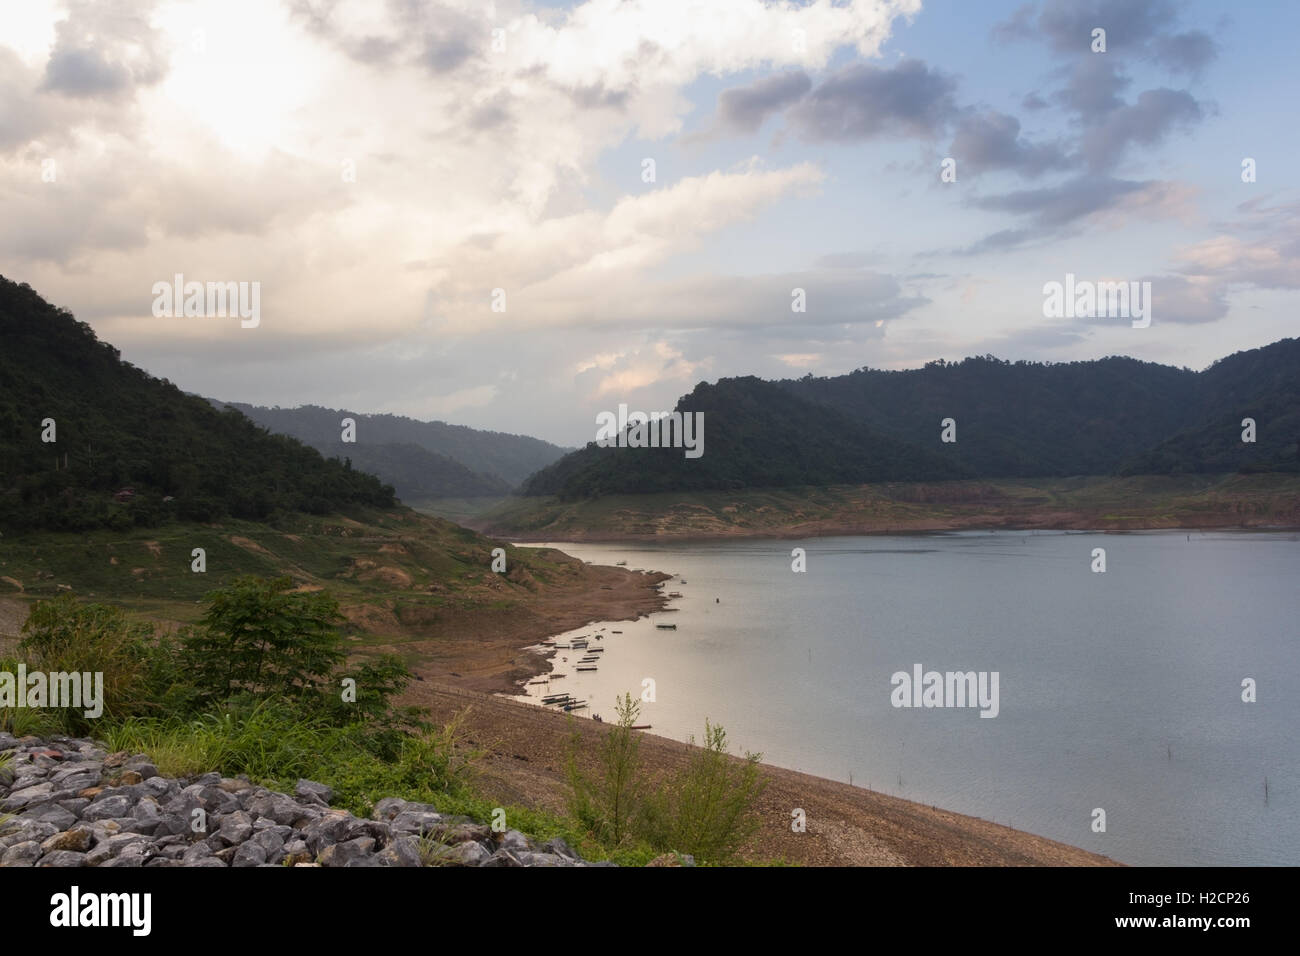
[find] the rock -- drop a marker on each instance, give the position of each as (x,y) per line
(339,854)
(197,851)
(78,839)
(75,805)
(62,858)
(560,847)
(310,790)
(27,796)
(388,808)
(22,854)
(500,858)
(461,832)
(514,840)
(55,815)
(271,843)
(130,777)
(464,854)
(236,827)
(105,808)
(144,769)
(416,821)
(403,851)
(297,851)
(206,861)
(250,854)
(326,831)
(277,807)
(26,829)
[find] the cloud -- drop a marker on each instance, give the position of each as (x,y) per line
(992,140)
(743,109)
(864,101)
(105,48)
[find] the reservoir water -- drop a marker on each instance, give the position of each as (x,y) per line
(1119,691)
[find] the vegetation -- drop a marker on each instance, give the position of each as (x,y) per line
(706,809)
(1114,416)
(132,450)
(256,686)
(419,459)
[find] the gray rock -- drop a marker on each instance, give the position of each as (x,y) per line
(196,851)
(500,858)
(249,854)
(416,821)
(27,796)
(271,843)
(54,814)
(326,831)
(466,854)
(403,851)
(75,805)
(514,840)
(63,858)
(236,827)
(340,854)
(207,861)
(144,768)
(105,808)
(310,790)
(22,854)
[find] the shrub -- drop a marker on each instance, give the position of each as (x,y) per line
(609,803)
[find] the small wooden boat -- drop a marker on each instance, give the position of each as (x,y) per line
(585,668)
(639,727)
(674,593)
(616,632)
(666,627)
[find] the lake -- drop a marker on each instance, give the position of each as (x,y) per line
(1120,691)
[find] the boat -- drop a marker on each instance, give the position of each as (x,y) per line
(683,580)
(666,627)
(639,727)
(555,677)
(616,632)
(585,668)
(621,564)
(597,650)
(569,707)
(674,594)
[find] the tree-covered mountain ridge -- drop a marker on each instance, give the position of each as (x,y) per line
(982,417)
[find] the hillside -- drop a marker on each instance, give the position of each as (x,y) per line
(419,459)
(129,449)
(1013,420)
(756,435)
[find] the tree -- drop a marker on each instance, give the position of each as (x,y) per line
(259,636)
(610,803)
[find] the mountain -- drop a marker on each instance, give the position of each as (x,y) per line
(1013,420)
(420,459)
(1261,384)
(130,449)
(756,435)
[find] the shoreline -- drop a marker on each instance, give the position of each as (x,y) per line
(847,825)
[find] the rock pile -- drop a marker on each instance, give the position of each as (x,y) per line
(74,804)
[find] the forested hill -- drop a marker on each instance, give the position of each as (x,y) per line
(1012,420)
(131,449)
(756,434)
(420,459)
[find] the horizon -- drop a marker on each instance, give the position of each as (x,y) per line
(602,204)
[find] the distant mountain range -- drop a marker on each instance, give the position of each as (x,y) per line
(419,459)
(1011,420)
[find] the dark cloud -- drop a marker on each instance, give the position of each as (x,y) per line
(1033,101)
(1146,122)
(862,101)
(744,108)
(1063,203)
(1067,25)
(1092,88)
(1188,52)
(104,50)
(991,140)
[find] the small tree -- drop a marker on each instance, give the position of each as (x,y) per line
(708,808)
(258,636)
(610,803)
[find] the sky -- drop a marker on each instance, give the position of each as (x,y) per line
(514,215)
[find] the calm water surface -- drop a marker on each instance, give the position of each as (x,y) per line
(1120,691)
